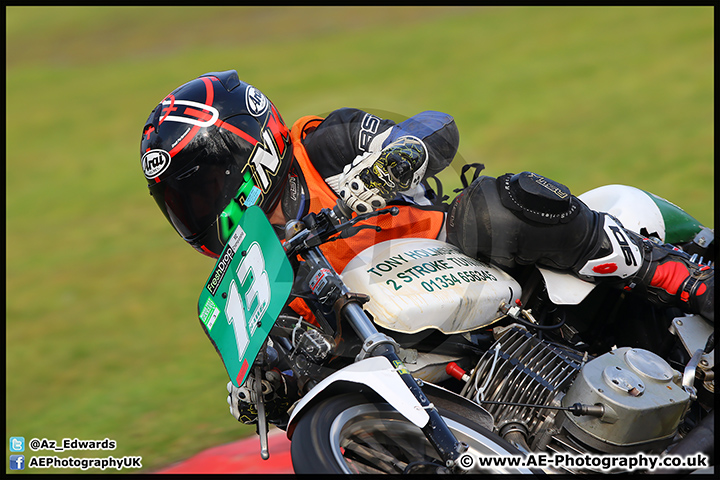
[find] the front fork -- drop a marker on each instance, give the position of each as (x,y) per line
(436,430)
(348,307)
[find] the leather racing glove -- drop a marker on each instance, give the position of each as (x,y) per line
(378,177)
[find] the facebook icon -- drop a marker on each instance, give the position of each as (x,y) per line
(17,462)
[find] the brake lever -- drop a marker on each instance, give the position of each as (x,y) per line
(350,231)
(320,228)
(350,228)
(353,230)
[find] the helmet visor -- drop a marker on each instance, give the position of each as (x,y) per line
(192,199)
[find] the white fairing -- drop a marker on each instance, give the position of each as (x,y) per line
(633,207)
(416,284)
(564,288)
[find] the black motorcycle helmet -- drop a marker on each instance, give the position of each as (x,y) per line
(210,148)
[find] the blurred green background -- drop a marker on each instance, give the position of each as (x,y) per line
(102,334)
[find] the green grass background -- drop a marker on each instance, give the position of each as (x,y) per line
(102,335)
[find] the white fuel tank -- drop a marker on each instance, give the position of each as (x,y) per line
(415,284)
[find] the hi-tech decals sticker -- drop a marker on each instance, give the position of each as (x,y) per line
(256,102)
(180,138)
(236,239)
(253,196)
(155,162)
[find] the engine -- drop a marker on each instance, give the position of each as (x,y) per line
(638,399)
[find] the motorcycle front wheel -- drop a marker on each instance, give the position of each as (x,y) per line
(352,434)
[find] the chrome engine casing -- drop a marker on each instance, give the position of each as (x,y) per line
(642,395)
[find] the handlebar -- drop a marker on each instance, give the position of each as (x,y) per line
(327,225)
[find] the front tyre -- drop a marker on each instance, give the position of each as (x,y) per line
(352,434)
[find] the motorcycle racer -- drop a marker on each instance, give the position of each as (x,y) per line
(216,144)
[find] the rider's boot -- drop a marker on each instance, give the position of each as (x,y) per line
(527,218)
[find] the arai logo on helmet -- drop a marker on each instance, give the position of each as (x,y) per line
(155,162)
(255,101)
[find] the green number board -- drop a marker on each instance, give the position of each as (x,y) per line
(245,293)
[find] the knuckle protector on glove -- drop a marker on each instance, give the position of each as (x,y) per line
(668,275)
(522,219)
(405,162)
(378,178)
